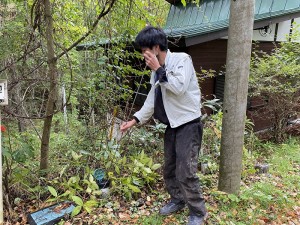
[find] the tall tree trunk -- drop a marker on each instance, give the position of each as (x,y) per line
(235,94)
(53,91)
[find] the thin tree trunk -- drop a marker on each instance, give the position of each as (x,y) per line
(52,98)
(18,99)
(235,94)
(63,90)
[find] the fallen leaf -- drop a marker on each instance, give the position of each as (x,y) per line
(124,216)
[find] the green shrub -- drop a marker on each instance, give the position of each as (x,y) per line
(275,79)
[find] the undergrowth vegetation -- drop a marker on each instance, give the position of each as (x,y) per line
(133,166)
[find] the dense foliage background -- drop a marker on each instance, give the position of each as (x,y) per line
(91,90)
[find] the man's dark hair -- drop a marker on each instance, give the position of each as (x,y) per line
(151,36)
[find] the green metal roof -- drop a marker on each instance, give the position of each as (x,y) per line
(104,42)
(213,16)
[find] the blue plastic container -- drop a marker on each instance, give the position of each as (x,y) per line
(100,178)
(51,215)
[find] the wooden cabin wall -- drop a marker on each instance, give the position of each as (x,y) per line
(209,55)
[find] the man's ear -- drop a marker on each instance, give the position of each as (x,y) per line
(156,49)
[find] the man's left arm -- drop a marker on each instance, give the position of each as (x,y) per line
(178,80)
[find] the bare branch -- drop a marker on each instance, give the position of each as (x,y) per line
(102,14)
(20,58)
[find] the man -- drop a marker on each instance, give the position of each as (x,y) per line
(174,99)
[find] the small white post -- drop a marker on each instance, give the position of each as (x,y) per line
(3,101)
(63,90)
(1,192)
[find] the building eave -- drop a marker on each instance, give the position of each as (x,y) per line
(207,33)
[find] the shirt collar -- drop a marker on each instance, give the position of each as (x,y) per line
(167,57)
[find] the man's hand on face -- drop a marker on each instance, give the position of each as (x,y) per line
(151,60)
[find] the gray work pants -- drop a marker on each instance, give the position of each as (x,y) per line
(182,145)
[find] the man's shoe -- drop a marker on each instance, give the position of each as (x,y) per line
(171,207)
(197,220)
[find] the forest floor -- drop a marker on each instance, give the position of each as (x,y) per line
(265,198)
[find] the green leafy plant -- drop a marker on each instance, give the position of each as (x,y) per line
(140,172)
(275,80)
(84,192)
(210,149)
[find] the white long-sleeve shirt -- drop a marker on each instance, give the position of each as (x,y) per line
(181,94)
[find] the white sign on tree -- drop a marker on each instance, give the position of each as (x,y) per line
(3,92)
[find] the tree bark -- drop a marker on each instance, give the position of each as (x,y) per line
(53,90)
(235,94)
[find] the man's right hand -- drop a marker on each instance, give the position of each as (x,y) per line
(126,125)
